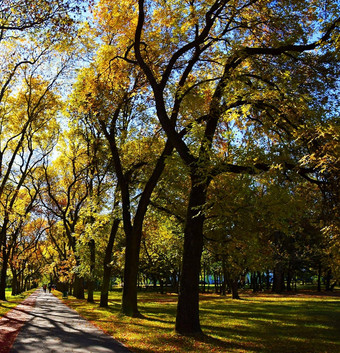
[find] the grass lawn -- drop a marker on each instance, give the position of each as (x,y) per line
(12,301)
(258,323)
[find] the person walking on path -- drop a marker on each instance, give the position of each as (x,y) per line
(53,327)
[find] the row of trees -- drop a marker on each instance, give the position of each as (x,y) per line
(31,39)
(202,125)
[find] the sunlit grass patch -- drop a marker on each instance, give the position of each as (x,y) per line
(263,323)
(12,301)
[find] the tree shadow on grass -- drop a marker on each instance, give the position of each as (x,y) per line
(227,346)
(152,319)
(190,343)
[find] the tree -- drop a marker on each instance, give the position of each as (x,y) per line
(31,37)
(66,193)
(106,95)
(23,15)
(205,29)
(161,250)
(234,228)
(100,182)
(26,261)
(323,155)
(58,257)
(28,32)
(25,143)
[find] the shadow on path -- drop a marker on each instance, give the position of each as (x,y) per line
(54,327)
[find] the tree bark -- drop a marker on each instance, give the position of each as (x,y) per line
(91,281)
(3,272)
(204,277)
(289,279)
(78,287)
(259,276)
(187,320)
(161,285)
(328,280)
(278,281)
(234,289)
(319,277)
(129,299)
(104,296)
(15,289)
(267,280)
(3,275)
(134,235)
(224,280)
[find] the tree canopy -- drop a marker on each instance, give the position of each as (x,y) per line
(169,143)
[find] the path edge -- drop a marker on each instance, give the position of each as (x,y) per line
(14,320)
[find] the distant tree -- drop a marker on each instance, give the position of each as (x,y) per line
(65,194)
(32,35)
(28,129)
(161,251)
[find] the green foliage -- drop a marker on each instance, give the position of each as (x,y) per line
(161,251)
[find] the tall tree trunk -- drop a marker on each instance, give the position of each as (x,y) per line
(289,279)
(216,282)
(224,279)
(129,299)
(15,289)
(319,277)
(328,279)
(278,281)
(25,286)
(175,281)
(78,287)
(204,277)
(3,272)
(255,281)
(91,281)
(22,279)
(187,320)
(133,232)
(104,295)
(253,284)
(161,285)
(259,276)
(267,280)
(234,288)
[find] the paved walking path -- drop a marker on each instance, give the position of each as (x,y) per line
(54,327)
